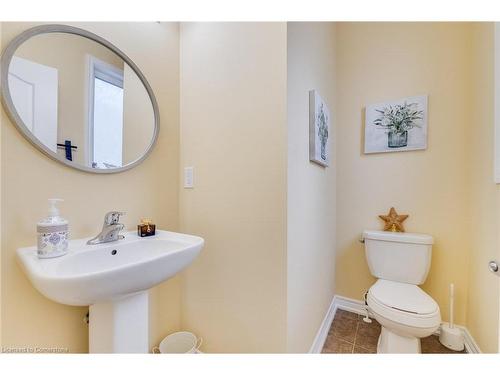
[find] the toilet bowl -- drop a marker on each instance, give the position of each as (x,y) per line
(406,314)
(401,262)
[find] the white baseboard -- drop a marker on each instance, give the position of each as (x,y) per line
(471,345)
(349,304)
(358,307)
(319,340)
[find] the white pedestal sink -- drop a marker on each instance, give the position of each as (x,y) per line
(113,279)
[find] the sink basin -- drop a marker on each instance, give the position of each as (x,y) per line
(113,279)
(89,274)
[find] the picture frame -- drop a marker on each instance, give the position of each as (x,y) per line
(319,130)
(397,125)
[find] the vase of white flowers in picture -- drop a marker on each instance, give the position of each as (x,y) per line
(322,122)
(398,120)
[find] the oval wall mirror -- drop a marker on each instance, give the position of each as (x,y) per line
(79,99)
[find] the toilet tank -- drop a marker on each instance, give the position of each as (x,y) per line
(401,257)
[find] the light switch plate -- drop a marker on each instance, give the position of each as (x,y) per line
(188,177)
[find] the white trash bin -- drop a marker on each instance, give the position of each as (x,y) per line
(180,343)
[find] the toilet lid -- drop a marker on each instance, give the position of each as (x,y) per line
(405,297)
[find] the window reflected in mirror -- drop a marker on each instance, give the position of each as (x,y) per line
(106,114)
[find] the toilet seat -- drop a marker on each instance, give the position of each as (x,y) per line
(404,304)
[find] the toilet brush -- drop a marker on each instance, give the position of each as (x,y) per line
(451,336)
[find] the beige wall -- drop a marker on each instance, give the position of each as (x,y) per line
(233,132)
(482,306)
(311,188)
(384,61)
(265,278)
(151,190)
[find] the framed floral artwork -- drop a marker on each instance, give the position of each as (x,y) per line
(319,129)
(399,125)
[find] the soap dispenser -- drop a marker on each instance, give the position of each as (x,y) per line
(52,233)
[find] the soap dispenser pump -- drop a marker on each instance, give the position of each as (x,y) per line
(52,233)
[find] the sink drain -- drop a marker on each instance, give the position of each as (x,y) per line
(114,252)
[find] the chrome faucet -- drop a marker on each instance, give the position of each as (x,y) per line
(110,229)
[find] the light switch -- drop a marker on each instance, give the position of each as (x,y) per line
(188,177)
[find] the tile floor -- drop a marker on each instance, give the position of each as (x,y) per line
(350,334)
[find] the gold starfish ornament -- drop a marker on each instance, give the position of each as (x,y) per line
(393,221)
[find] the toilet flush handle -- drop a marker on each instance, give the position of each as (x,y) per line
(493,266)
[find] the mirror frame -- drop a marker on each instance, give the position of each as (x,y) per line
(6,58)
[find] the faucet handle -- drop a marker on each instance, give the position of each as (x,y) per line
(113,217)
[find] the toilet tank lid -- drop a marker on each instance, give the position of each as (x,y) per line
(416,238)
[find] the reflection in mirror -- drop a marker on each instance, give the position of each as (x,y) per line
(81,100)
(106,116)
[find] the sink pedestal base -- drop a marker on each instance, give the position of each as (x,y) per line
(120,326)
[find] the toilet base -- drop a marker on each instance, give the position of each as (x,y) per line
(389,342)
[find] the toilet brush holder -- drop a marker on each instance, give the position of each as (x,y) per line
(451,337)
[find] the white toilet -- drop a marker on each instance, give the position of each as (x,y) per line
(401,262)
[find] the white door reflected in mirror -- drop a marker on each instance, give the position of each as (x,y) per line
(33,88)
